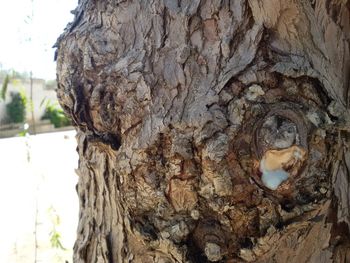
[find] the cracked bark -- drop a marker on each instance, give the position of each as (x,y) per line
(176,106)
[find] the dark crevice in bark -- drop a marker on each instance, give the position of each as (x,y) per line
(194,253)
(109,241)
(112,140)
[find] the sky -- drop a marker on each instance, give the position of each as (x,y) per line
(29,29)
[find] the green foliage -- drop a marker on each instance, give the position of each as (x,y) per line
(55,236)
(55,240)
(24,133)
(16,109)
(4,87)
(56,115)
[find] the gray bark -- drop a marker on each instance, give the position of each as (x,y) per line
(179,104)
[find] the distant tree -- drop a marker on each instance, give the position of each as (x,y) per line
(4,87)
(16,108)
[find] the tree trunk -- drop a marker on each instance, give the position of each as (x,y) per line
(210,130)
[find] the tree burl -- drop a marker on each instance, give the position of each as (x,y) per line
(210,131)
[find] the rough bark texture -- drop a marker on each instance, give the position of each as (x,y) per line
(181,105)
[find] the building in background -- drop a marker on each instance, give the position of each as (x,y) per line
(44,96)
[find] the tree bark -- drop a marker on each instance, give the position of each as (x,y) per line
(210,130)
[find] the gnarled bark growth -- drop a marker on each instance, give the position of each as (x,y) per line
(210,130)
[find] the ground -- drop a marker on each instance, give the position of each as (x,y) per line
(43,182)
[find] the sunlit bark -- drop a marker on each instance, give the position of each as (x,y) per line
(210,130)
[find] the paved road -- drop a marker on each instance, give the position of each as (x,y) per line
(46,181)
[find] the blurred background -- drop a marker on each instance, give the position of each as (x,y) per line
(37,142)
